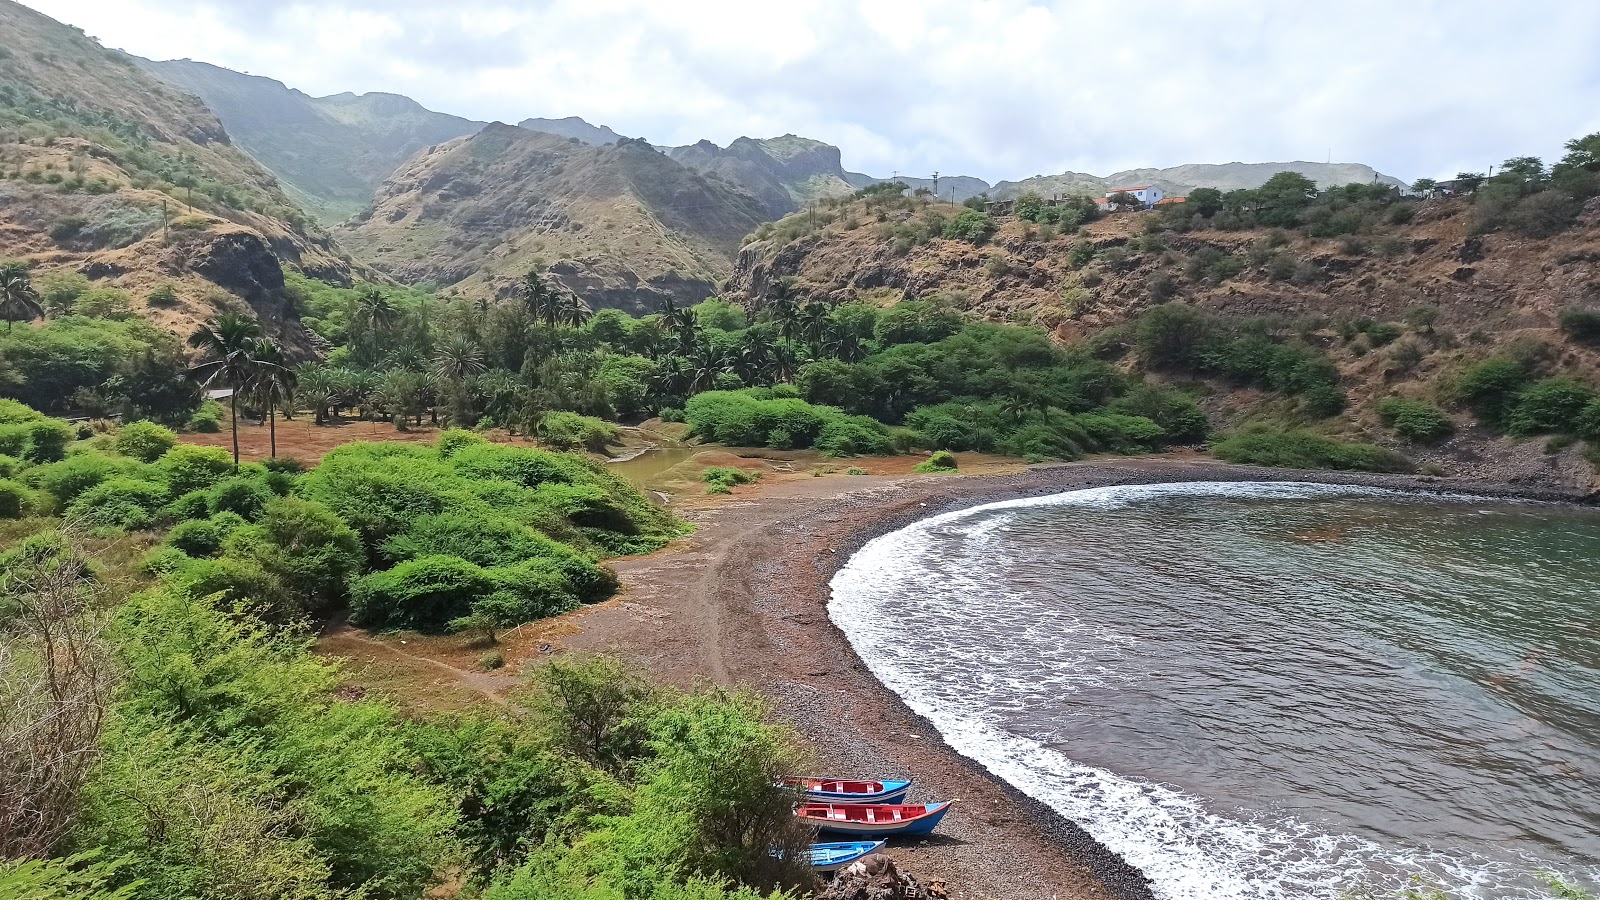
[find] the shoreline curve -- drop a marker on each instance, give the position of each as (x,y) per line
(744,602)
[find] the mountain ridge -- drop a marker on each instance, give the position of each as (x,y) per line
(622,224)
(114,175)
(330,153)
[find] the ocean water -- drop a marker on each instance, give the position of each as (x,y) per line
(1265,690)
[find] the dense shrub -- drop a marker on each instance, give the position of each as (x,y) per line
(144,441)
(120,502)
(722,479)
(187,467)
(1294,448)
(970,225)
(1415,420)
(207,419)
(1177,337)
(755,418)
(426,594)
(1581,323)
(201,538)
(243,495)
(570,431)
(1549,406)
(63,481)
(15,499)
(38,440)
(1490,389)
(940,461)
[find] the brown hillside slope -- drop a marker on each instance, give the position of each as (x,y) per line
(1489,290)
(107,171)
(621,224)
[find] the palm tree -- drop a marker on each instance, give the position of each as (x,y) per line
(454,362)
(814,326)
(273,386)
(541,299)
(704,366)
(316,386)
(574,309)
(229,345)
(374,317)
(672,378)
(18,300)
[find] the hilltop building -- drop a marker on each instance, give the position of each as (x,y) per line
(1147,194)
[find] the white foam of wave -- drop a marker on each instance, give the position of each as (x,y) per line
(1188,851)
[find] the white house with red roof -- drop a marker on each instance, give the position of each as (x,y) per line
(1147,194)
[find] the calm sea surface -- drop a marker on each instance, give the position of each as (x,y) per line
(1265,690)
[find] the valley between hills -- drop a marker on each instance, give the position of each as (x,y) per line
(398,505)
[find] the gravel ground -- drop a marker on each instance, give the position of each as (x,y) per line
(744,602)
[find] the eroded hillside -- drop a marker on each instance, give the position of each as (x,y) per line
(622,224)
(1402,311)
(111,173)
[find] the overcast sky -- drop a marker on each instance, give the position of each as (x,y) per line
(1001,90)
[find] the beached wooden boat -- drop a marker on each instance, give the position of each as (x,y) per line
(833,857)
(842,790)
(873,819)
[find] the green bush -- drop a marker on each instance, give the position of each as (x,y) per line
(120,502)
(940,461)
(969,225)
(1581,323)
(187,467)
(754,418)
(144,441)
(15,499)
(1490,389)
(207,419)
(454,439)
(1588,424)
(570,431)
(722,479)
(10,466)
(1294,448)
(1549,406)
(201,538)
(243,495)
(427,594)
(483,539)
(1415,420)
(37,441)
(64,481)
(853,436)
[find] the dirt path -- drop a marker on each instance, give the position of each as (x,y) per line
(344,641)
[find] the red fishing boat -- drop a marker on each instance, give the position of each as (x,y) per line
(874,819)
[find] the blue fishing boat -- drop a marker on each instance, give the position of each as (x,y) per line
(843,790)
(833,857)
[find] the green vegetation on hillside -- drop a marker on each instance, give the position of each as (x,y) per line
(190,746)
(1526,197)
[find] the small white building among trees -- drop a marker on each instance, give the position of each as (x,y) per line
(1147,195)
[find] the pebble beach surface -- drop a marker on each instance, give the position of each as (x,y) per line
(743,602)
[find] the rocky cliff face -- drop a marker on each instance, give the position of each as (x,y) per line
(622,224)
(783,173)
(113,173)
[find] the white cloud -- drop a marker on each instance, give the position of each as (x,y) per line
(994,88)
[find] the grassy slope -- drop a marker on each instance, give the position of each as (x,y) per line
(86,135)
